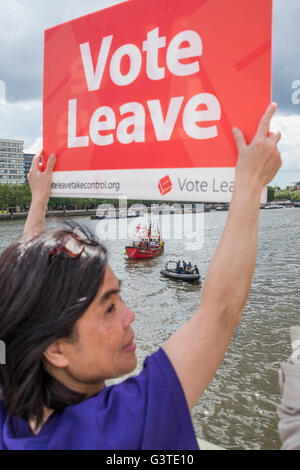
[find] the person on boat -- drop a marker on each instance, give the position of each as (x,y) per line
(178,267)
(152,243)
(155,244)
(189,266)
(196,270)
(183,266)
(67,329)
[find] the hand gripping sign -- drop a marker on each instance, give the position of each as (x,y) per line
(140,98)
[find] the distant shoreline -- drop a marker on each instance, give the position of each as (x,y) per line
(61,213)
(92,212)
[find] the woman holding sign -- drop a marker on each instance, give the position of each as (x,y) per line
(67,329)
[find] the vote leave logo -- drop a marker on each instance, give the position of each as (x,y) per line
(156,84)
(165,185)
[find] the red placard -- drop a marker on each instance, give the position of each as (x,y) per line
(155,86)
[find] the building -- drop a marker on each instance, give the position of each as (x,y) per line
(294,186)
(11,161)
(27,164)
(297,186)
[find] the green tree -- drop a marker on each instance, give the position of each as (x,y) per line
(271,192)
(284,194)
(4,196)
(295,195)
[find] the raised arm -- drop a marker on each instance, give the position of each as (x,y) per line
(40,185)
(197,349)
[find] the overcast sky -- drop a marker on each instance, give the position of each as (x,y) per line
(22,25)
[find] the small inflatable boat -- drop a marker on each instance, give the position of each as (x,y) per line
(172,273)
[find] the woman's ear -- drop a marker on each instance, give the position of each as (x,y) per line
(55,354)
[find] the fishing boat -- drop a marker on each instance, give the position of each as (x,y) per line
(146,243)
(172,273)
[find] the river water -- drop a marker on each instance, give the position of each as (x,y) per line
(238,410)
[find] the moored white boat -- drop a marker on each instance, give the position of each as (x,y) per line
(274,206)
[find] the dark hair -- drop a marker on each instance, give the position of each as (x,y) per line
(42,297)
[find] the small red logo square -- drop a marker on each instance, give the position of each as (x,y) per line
(165,185)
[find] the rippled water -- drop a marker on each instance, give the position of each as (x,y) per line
(238,410)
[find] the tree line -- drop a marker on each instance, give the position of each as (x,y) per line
(19,195)
(276,193)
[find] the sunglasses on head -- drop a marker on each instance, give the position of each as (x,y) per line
(71,243)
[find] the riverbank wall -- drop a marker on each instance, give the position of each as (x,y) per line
(62,213)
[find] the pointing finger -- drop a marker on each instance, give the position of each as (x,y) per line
(264,125)
(36,161)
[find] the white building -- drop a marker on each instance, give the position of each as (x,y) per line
(11,161)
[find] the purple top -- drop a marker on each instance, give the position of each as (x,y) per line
(148,411)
